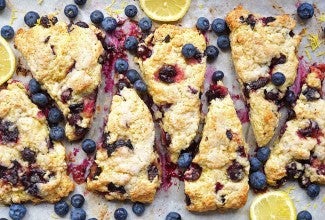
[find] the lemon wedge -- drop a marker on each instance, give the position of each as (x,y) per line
(7,61)
(274,205)
(165,10)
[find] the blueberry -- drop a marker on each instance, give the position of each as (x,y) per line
(219,26)
(290,97)
(121,84)
(223,42)
(96,17)
(278,78)
(211,52)
(184,160)
(131,43)
(217,76)
(77,200)
(263,154)
(173,216)
(257,180)
(71,11)
(3,219)
(133,75)
(57,133)
(55,116)
(120,214)
(34,86)
(88,146)
(17,211)
(304,215)
(130,11)
(138,208)
(2,4)
(145,24)
(189,51)
(61,208)
(78,214)
(109,24)
(31,18)
(82,24)
(7,32)
(255,164)
(313,190)
(140,86)
(203,24)
(80,2)
(121,65)
(305,11)
(40,100)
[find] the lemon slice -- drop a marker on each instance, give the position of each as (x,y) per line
(7,61)
(274,205)
(165,10)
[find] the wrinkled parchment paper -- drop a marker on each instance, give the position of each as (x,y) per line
(173,199)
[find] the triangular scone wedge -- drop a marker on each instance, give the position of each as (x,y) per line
(217,179)
(261,46)
(32,168)
(126,164)
(64,60)
(174,82)
(300,153)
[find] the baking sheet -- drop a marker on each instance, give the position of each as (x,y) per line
(173,199)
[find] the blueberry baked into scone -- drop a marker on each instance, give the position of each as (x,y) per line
(264,52)
(174,82)
(217,179)
(32,167)
(300,152)
(126,164)
(64,60)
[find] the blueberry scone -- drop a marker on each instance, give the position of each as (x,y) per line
(175,83)
(300,153)
(126,164)
(32,168)
(64,60)
(217,179)
(263,48)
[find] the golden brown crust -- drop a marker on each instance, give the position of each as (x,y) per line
(263,112)
(261,46)
(217,152)
(181,118)
(233,19)
(64,60)
(303,139)
(52,182)
(127,167)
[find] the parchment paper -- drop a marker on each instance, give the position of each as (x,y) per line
(173,199)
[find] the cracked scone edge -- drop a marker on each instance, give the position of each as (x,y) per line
(216,154)
(64,58)
(181,119)
(264,43)
(291,147)
(16,107)
(129,118)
